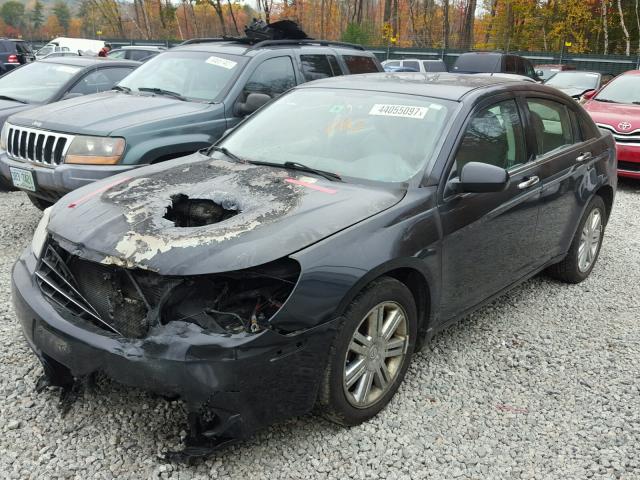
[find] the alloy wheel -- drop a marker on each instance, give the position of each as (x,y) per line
(375,354)
(590,240)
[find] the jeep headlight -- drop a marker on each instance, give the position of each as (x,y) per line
(40,235)
(95,150)
(4,136)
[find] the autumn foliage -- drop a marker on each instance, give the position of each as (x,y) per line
(584,26)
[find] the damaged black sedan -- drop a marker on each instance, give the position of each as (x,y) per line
(303,259)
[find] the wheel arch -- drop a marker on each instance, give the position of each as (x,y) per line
(606,193)
(412,274)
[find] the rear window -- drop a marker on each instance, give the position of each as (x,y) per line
(477,63)
(434,66)
(411,64)
(359,64)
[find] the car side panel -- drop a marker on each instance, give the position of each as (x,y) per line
(405,236)
(149,146)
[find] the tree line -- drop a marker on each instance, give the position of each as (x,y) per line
(582,26)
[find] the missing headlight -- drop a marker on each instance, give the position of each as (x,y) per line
(233,302)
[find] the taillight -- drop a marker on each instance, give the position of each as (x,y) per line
(13,59)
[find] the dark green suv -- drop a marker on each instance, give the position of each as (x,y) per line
(177,103)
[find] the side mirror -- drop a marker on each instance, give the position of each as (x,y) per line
(68,96)
(477,177)
(253,102)
(540,73)
(588,95)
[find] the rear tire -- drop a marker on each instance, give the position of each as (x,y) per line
(370,354)
(585,247)
(39,203)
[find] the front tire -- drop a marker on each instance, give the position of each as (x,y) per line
(585,247)
(370,354)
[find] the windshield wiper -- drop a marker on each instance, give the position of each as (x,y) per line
(120,88)
(304,168)
(162,91)
(226,152)
(605,100)
(11,99)
(300,167)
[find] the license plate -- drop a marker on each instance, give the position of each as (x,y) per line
(23,178)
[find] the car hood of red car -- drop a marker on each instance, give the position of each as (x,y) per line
(622,117)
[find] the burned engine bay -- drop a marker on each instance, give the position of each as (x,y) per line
(129,302)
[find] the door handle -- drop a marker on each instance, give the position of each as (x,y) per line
(530,182)
(583,157)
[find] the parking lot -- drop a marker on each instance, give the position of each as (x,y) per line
(540,384)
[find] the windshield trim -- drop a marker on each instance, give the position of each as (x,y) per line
(419,179)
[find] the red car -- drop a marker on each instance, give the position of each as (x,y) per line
(616,108)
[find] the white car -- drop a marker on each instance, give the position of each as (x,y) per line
(416,64)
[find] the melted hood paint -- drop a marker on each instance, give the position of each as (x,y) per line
(121,219)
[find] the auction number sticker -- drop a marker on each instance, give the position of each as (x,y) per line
(405,111)
(221,62)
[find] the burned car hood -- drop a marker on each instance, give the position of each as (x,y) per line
(201,215)
(106,113)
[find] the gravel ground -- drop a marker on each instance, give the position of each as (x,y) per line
(543,383)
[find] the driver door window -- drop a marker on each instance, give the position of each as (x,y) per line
(494,136)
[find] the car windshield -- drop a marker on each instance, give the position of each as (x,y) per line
(198,76)
(36,82)
(578,80)
(623,89)
(356,134)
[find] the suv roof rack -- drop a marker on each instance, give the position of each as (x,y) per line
(193,41)
(253,44)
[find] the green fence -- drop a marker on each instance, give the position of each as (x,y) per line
(613,64)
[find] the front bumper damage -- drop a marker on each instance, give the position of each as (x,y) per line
(232,383)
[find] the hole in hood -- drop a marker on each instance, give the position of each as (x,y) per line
(196,212)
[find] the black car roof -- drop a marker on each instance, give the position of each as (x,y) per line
(82,61)
(448,86)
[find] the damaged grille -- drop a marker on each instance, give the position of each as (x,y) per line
(40,146)
(108,297)
(129,302)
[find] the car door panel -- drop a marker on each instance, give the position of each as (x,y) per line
(488,238)
(563,172)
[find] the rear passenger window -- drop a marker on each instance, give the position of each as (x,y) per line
(551,123)
(315,67)
(411,64)
(494,136)
(510,64)
(273,77)
(359,64)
